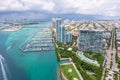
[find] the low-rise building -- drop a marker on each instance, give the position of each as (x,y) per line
(117,35)
(118,48)
(75,32)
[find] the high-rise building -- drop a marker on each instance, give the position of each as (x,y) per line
(53,22)
(68,37)
(90,40)
(62,36)
(58,22)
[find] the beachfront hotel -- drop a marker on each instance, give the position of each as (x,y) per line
(90,40)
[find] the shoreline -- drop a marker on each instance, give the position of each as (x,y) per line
(12,29)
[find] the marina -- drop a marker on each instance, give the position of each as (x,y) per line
(32,65)
(42,41)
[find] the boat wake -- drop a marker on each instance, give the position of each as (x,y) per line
(3,68)
(8,47)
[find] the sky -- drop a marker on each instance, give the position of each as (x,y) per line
(46,8)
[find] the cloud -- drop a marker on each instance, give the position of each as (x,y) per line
(91,7)
(23,5)
(99,7)
(38,4)
(7,5)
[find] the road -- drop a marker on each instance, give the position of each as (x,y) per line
(110,61)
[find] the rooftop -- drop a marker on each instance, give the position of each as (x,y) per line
(96,30)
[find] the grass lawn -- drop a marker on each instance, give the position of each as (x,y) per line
(93,77)
(115,77)
(95,56)
(69,75)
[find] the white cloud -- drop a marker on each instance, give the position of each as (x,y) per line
(38,4)
(94,7)
(11,5)
(20,5)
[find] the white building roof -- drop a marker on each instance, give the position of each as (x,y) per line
(118,48)
(86,29)
(118,42)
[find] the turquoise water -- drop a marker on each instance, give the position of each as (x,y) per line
(27,66)
(3,24)
(85,58)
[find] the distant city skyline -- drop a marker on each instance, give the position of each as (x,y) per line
(46,9)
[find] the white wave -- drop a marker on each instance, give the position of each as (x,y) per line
(2,68)
(1,58)
(8,47)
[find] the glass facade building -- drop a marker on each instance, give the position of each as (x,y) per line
(90,40)
(62,36)
(68,38)
(58,22)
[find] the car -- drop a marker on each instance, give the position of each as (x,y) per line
(110,74)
